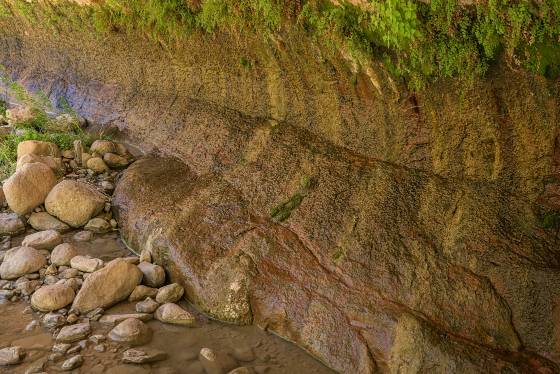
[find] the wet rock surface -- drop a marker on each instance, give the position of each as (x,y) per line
(170,349)
(341,302)
(76,283)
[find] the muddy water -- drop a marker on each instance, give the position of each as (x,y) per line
(254,348)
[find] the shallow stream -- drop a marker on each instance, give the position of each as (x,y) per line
(249,346)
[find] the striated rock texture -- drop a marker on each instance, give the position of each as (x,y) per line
(378,267)
(378,229)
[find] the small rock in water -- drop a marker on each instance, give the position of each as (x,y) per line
(98,226)
(214,362)
(153,275)
(11,224)
(20,261)
(47,239)
(147,306)
(245,354)
(131,331)
(241,370)
(32,325)
(83,236)
(6,294)
(174,314)
(143,356)
(53,320)
(61,347)
(107,286)
(170,293)
(56,356)
(75,349)
(10,356)
(86,264)
(52,297)
(44,221)
(63,253)
(72,363)
(96,339)
(141,292)
(74,333)
(112,319)
(36,367)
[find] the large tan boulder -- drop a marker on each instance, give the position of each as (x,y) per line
(28,187)
(44,221)
(52,297)
(103,146)
(37,147)
(20,261)
(106,287)
(74,202)
(55,163)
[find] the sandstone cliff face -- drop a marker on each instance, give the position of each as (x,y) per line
(379,230)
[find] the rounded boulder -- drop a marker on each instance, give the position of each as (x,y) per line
(74,202)
(28,187)
(52,297)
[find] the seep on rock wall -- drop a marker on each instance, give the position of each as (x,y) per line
(378,229)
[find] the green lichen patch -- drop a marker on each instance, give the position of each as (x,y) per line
(283,211)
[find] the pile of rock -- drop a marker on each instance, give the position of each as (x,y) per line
(69,291)
(55,192)
(79,199)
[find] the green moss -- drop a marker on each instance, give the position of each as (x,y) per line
(283,211)
(551,220)
(419,42)
(245,62)
(424,42)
